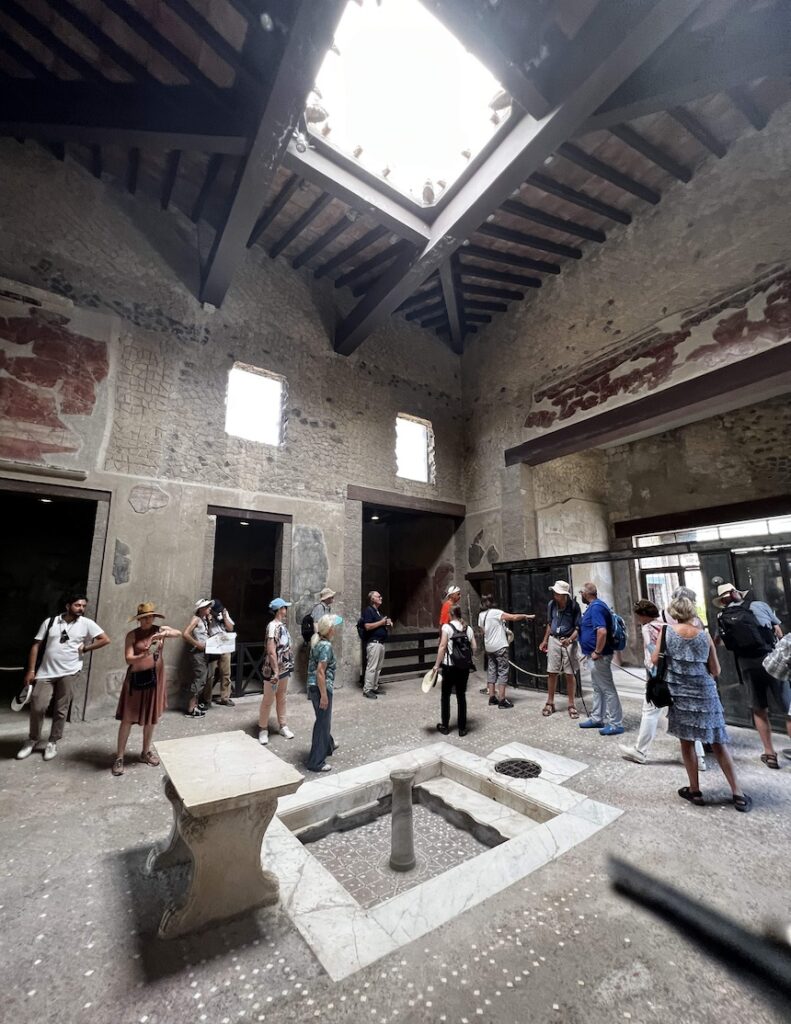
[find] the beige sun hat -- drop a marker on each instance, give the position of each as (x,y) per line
(146,608)
(430,680)
(326,594)
(723,590)
(561,587)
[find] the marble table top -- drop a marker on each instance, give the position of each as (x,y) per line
(223,770)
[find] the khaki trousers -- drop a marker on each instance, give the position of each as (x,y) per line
(43,691)
(221,668)
(374,659)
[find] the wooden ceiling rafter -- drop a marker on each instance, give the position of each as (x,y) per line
(356,247)
(453,307)
(321,243)
(626,134)
(390,252)
(592,164)
(698,130)
(274,208)
(47,39)
(298,226)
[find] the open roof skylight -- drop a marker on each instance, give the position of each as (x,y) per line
(400,94)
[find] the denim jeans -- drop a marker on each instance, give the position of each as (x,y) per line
(322,744)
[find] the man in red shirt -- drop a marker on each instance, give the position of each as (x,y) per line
(452,596)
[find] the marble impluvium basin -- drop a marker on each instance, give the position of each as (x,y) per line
(533,821)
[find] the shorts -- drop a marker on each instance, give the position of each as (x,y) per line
(562,659)
(497,667)
(762,684)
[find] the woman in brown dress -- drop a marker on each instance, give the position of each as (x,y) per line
(144,692)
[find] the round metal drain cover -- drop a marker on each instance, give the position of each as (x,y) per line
(519,769)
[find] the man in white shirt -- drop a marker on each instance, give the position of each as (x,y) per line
(495,642)
(53,665)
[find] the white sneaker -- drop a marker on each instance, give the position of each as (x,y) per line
(632,754)
(25,751)
(263,737)
(50,751)
(702,763)
(285,731)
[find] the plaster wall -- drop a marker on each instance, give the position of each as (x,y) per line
(724,232)
(111,270)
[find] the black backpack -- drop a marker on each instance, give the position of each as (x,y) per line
(742,633)
(362,632)
(308,628)
(461,649)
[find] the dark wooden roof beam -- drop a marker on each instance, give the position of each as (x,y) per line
(169,178)
(132,170)
(432,309)
(529,241)
(419,298)
(478,318)
(655,154)
(96,162)
(742,47)
(580,158)
(625,42)
(323,241)
(212,170)
(349,189)
(471,288)
(490,307)
(744,102)
(436,321)
(311,32)
(570,227)
(453,307)
(249,76)
(44,35)
(577,198)
(482,252)
(351,251)
(274,208)
(27,61)
(105,44)
(502,276)
(699,131)
(299,225)
(393,251)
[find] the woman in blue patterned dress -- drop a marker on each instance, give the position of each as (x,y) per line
(697,713)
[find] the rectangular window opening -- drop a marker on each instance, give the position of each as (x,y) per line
(254,404)
(414,448)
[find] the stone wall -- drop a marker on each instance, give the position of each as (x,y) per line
(723,232)
(150,367)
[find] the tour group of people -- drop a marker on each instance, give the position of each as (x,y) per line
(677,648)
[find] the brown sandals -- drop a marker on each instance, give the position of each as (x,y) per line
(149,757)
(118,766)
(549,709)
(573,713)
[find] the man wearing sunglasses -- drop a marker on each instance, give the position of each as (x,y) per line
(53,665)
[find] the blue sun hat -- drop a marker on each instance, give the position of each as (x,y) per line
(278,603)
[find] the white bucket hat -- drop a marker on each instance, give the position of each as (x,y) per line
(561,587)
(723,590)
(22,698)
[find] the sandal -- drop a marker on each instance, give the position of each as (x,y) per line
(573,713)
(743,802)
(693,795)
(548,709)
(770,760)
(149,757)
(118,766)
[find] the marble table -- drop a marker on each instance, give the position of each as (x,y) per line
(224,789)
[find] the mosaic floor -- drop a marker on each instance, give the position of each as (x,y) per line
(359,858)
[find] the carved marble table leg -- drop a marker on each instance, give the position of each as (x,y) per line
(227,878)
(175,851)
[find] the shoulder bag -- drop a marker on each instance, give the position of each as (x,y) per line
(657,692)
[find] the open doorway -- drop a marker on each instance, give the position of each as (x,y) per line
(45,551)
(245,570)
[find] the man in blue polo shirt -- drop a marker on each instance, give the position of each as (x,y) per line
(596,643)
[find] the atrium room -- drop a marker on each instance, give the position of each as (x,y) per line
(400,392)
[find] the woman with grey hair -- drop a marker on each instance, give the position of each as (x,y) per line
(691,671)
(321,679)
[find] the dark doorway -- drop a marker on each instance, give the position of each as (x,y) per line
(245,570)
(409,558)
(45,551)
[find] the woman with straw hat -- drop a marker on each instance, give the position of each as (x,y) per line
(144,692)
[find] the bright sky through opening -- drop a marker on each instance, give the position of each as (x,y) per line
(405,90)
(412,449)
(254,406)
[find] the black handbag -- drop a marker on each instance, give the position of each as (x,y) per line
(657,692)
(146,679)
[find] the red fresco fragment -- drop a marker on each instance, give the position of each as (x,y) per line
(22,404)
(732,331)
(21,450)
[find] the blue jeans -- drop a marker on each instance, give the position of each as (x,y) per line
(606,702)
(322,744)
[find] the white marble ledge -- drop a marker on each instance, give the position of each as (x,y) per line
(482,809)
(224,770)
(555,765)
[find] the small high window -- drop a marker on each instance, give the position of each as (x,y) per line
(254,404)
(414,448)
